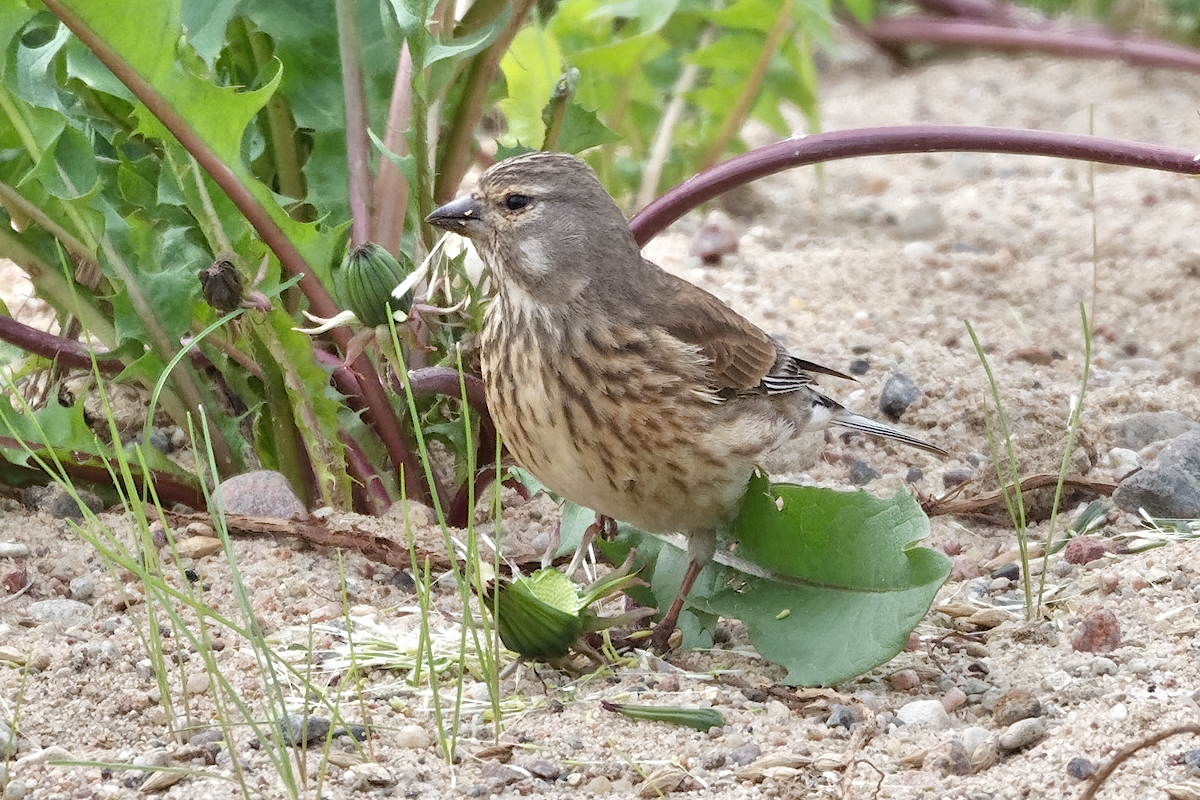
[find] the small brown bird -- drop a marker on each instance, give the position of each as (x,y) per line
(618,385)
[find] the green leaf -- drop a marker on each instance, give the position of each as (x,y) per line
(582,129)
(531,68)
(702,719)
(467,46)
(847,584)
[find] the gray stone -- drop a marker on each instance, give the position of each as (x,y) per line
(898,394)
(1080,768)
(1138,430)
(925,221)
(67,613)
(261,493)
(1103,666)
(746,754)
(14,550)
(1169,486)
(1022,734)
(83,588)
(929,714)
(58,502)
(862,473)
(304,730)
(973,737)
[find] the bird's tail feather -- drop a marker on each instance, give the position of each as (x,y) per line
(855,422)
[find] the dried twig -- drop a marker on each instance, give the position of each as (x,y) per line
(1123,754)
(949,504)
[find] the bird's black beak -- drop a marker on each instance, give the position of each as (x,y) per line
(458,216)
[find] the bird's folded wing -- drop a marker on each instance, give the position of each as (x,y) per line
(740,354)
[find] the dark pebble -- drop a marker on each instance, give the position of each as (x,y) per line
(1169,486)
(957,476)
(859,366)
(58,503)
(1138,430)
(713,761)
(1080,768)
(755,695)
(843,716)
(914,475)
(862,473)
(1192,758)
(1011,570)
(746,754)
(1016,705)
(356,732)
(898,394)
(304,731)
(546,770)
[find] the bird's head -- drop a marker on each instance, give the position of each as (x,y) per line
(542,221)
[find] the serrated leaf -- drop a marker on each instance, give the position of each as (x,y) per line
(531,68)
(467,46)
(582,129)
(847,587)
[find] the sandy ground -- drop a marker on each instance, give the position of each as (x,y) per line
(880,259)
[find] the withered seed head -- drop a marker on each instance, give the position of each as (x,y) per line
(221,285)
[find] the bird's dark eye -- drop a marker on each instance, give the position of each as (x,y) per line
(515,202)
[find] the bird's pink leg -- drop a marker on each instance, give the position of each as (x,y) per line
(701,546)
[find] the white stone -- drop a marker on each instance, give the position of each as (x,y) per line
(930,714)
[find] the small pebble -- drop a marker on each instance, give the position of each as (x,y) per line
(777,711)
(1103,666)
(973,737)
(1057,681)
(904,680)
(1107,582)
(1099,632)
(948,758)
(14,550)
(304,730)
(1192,758)
(914,475)
(957,476)
(83,588)
(1022,733)
(1137,666)
(1119,712)
(746,754)
(1085,550)
(1015,705)
(862,473)
(412,737)
(898,394)
(546,770)
(924,221)
(841,716)
(927,714)
(1011,571)
(60,610)
(859,366)
(1080,768)
(598,785)
(954,699)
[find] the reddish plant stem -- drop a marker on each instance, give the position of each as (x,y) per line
(67,352)
(167,487)
(429,381)
(892,32)
(461,507)
(374,494)
(902,139)
(358,144)
(390,201)
(382,418)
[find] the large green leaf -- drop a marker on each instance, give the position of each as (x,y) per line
(846,583)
